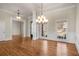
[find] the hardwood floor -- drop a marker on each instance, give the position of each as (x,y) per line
(28,47)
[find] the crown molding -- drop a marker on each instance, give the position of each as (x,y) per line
(58,9)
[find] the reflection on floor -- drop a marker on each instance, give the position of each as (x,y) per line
(61,49)
(27,47)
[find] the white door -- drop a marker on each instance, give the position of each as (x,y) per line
(2,30)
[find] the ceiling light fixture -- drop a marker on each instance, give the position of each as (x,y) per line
(18,15)
(41,18)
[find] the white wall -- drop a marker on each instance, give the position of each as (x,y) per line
(25,28)
(77,27)
(5,17)
(69,15)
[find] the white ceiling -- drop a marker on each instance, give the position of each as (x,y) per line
(27,8)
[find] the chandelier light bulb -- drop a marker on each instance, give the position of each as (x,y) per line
(46,20)
(18,17)
(39,17)
(42,19)
(37,20)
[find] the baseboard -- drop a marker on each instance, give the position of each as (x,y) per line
(60,40)
(27,37)
(20,36)
(7,39)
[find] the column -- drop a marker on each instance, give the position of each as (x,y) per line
(34,26)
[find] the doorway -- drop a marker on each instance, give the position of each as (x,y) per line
(17,28)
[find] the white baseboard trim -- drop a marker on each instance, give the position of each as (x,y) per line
(6,39)
(61,40)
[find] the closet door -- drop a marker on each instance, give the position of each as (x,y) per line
(2,30)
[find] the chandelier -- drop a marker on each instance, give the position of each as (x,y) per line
(18,15)
(41,18)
